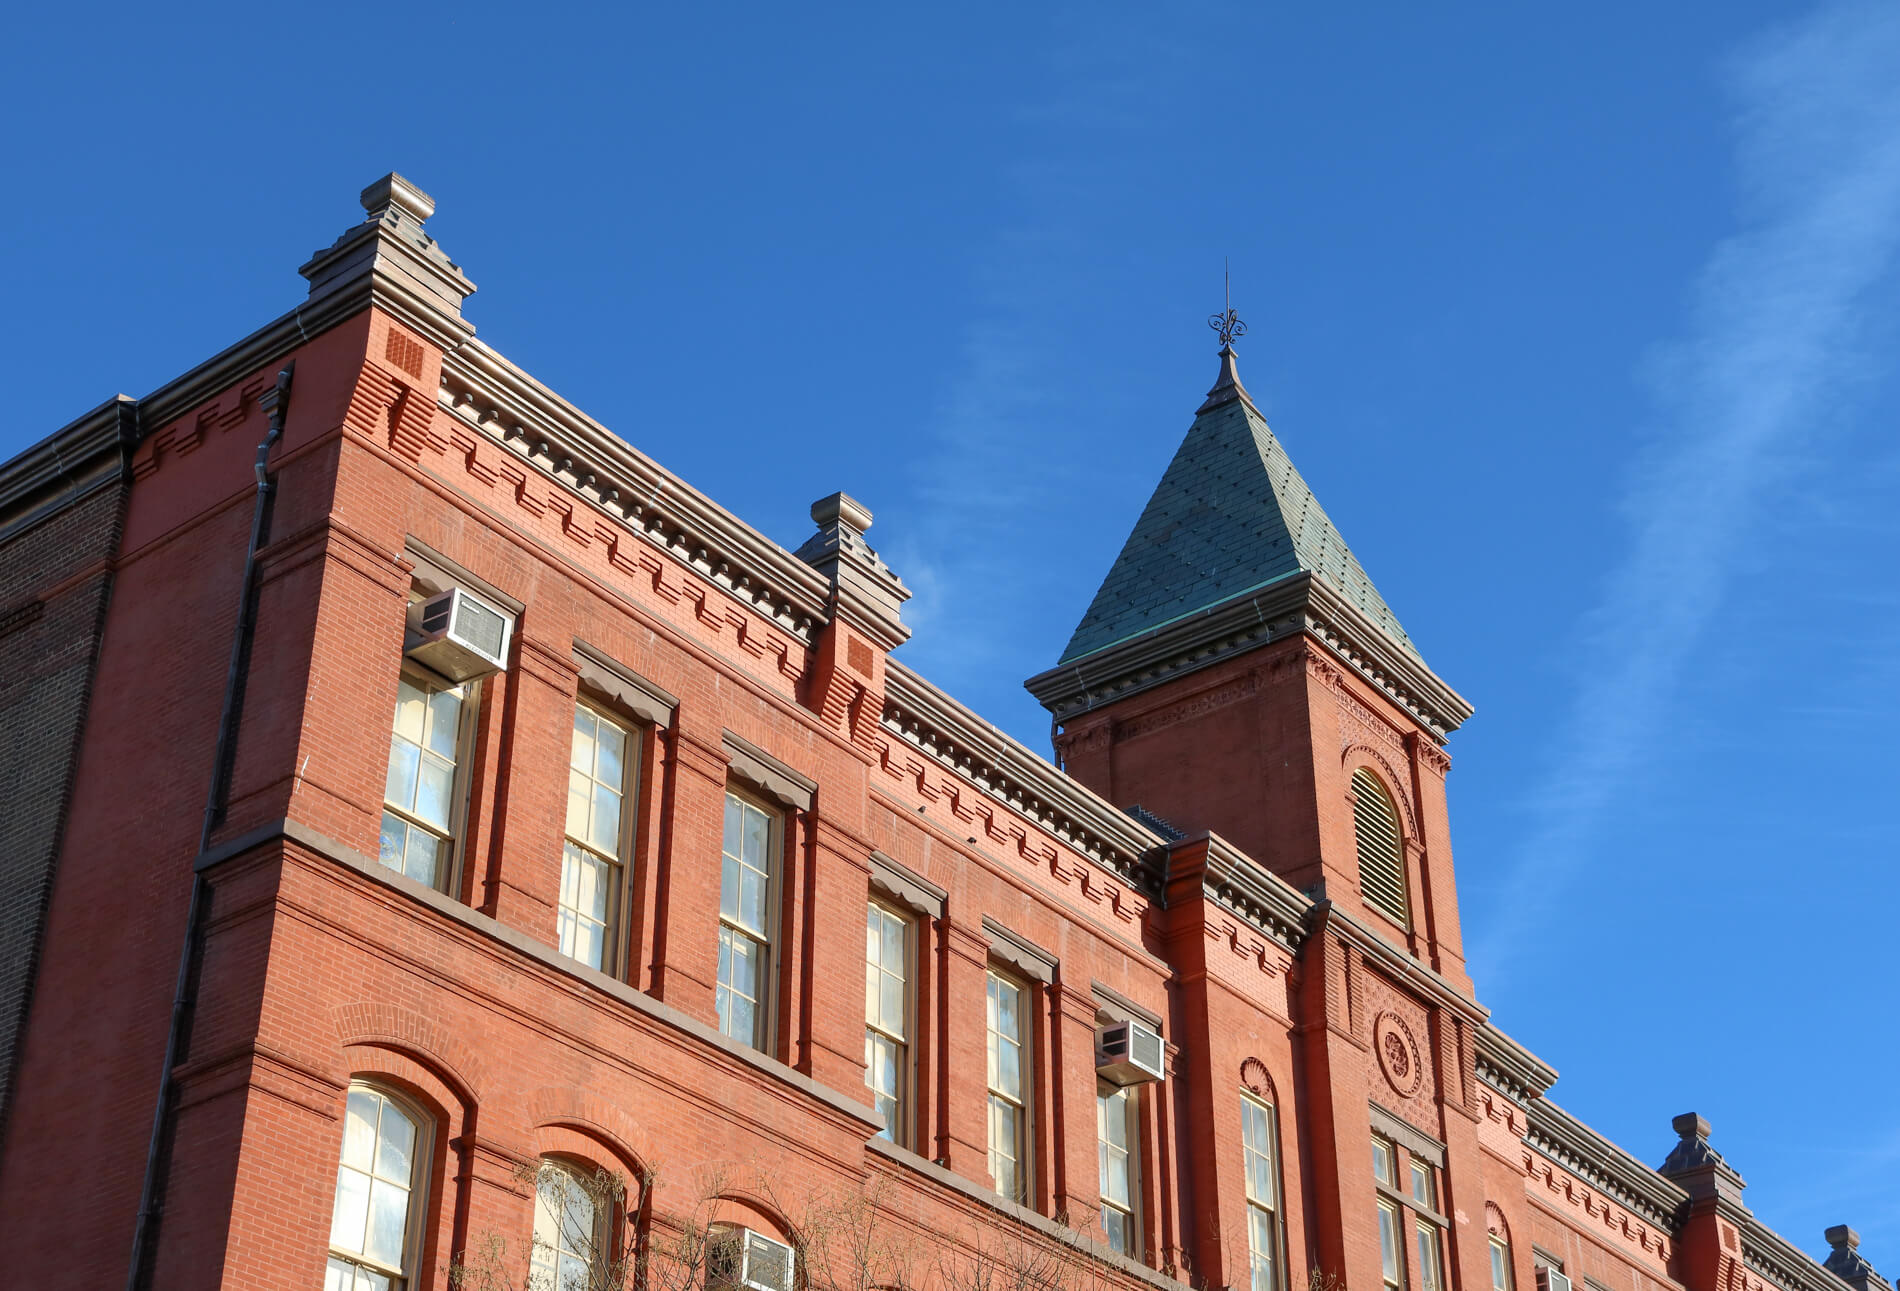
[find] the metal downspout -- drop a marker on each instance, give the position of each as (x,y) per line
(275,402)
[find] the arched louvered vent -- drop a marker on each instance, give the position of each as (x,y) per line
(1381,858)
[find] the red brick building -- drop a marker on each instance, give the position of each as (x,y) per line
(1188,1009)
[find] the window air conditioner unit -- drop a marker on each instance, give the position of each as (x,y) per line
(1128,1053)
(1549,1279)
(738,1259)
(462,638)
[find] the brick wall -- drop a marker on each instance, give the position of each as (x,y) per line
(55,582)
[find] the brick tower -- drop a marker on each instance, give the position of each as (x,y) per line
(1238,672)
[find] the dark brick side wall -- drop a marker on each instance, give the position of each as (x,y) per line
(55,582)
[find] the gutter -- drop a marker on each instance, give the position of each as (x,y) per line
(275,403)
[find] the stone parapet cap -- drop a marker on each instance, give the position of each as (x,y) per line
(496,399)
(390,261)
(68,464)
(1585,1153)
(1242,886)
(930,721)
(1517,1072)
(1297,603)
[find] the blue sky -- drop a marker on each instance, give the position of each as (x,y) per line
(1579,323)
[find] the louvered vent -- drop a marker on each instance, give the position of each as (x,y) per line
(1381,859)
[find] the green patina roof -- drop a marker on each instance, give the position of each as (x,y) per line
(1230,515)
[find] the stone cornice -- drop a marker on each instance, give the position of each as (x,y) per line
(1247,889)
(494,398)
(928,720)
(67,465)
(1510,1068)
(1298,603)
(1783,1263)
(1423,982)
(1591,1157)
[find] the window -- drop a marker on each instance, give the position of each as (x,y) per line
(420,801)
(569,1232)
(1009,1081)
(1257,1139)
(745,940)
(887,1017)
(1115,1136)
(1381,854)
(1415,1208)
(1391,1239)
(374,1225)
(1500,1265)
(597,824)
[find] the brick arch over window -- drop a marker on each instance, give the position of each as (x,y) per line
(615,1135)
(1357,756)
(749,1210)
(404,1031)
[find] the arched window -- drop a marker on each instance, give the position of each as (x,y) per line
(570,1231)
(1381,856)
(375,1228)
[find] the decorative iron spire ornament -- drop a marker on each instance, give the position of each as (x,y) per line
(1227,322)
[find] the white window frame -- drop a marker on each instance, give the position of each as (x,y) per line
(897,1129)
(575,1174)
(1391,1213)
(1261,1155)
(421,1168)
(1019,1107)
(449,864)
(619,864)
(1501,1263)
(765,1007)
(1112,1100)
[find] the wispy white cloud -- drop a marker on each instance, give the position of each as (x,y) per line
(1747,399)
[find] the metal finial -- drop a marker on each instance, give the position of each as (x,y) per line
(1227,322)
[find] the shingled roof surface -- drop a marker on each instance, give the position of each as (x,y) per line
(1230,515)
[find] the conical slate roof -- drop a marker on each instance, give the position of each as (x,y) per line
(1230,516)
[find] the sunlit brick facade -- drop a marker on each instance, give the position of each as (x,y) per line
(609,904)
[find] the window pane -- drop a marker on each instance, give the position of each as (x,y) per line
(359,1129)
(419,860)
(351,1215)
(1391,1253)
(1116,1225)
(729,888)
(394,839)
(582,758)
(751,910)
(397,1146)
(579,804)
(388,1216)
(757,830)
(400,785)
(1262,1244)
(612,749)
(435,786)
(1500,1267)
(891,1004)
(1427,1256)
(1381,1161)
(1422,1184)
(445,715)
(604,833)
(735,816)
(411,703)
(1009,1073)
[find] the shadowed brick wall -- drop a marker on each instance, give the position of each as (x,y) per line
(56,549)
